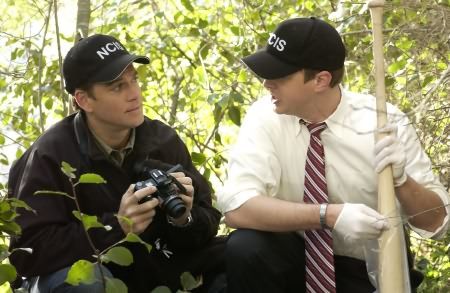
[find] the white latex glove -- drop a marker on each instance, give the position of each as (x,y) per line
(359,222)
(390,150)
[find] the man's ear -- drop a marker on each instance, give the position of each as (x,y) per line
(322,81)
(83,100)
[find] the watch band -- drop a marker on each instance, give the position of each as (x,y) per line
(322,213)
(171,220)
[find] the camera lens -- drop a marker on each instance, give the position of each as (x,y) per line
(174,207)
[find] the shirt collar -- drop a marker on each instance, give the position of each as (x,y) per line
(336,121)
(127,148)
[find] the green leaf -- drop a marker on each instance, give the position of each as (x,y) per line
(81,272)
(119,255)
(202,23)
(68,170)
(7,273)
(49,104)
(198,158)
(4,253)
(88,221)
(2,139)
(187,4)
(235,115)
(131,237)
(17,203)
(8,215)
(51,192)
(161,289)
(207,173)
(114,285)
(11,228)
(235,30)
(188,282)
(91,178)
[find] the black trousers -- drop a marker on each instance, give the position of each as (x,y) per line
(275,262)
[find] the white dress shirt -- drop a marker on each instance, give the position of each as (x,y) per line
(269,159)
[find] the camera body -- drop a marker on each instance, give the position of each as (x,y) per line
(166,185)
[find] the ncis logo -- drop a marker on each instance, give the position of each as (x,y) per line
(109,48)
(276,42)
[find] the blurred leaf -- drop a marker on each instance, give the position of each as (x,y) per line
(131,237)
(114,285)
(119,255)
(51,192)
(91,178)
(188,282)
(88,221)
(187,4)
(68,170)
(81,272)
(198,158)
(161,289)
(7,273)
(235,115)
(10,228)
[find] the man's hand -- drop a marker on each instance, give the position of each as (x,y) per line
(390,150)
(140,215)
(359,222)
(188,198)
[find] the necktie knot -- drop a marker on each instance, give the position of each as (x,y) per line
(315,128)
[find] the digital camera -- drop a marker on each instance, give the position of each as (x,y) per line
(167,193)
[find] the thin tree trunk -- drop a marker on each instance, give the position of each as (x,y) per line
(83,18)
(82,27)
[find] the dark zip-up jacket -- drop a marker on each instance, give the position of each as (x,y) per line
(57,237)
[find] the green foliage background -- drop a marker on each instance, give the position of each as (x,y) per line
(196,83)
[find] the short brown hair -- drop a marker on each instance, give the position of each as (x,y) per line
(336,75)
(89,88)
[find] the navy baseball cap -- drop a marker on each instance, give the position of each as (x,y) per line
(298,43)
(98,58)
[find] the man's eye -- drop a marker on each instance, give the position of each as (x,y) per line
(117,87)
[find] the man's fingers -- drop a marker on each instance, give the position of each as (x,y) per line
(178,174)
(146,191)
(383,143)
(388,128)
(383,163)
(130,190)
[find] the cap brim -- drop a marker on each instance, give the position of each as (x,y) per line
(114,70)
(267,66)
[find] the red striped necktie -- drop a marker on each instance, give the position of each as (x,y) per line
(319,243)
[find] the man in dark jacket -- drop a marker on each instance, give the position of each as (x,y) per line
(111,137)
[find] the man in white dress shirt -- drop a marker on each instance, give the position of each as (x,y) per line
(264,195)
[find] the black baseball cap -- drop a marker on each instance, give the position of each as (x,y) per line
(98,58)
(298,43)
